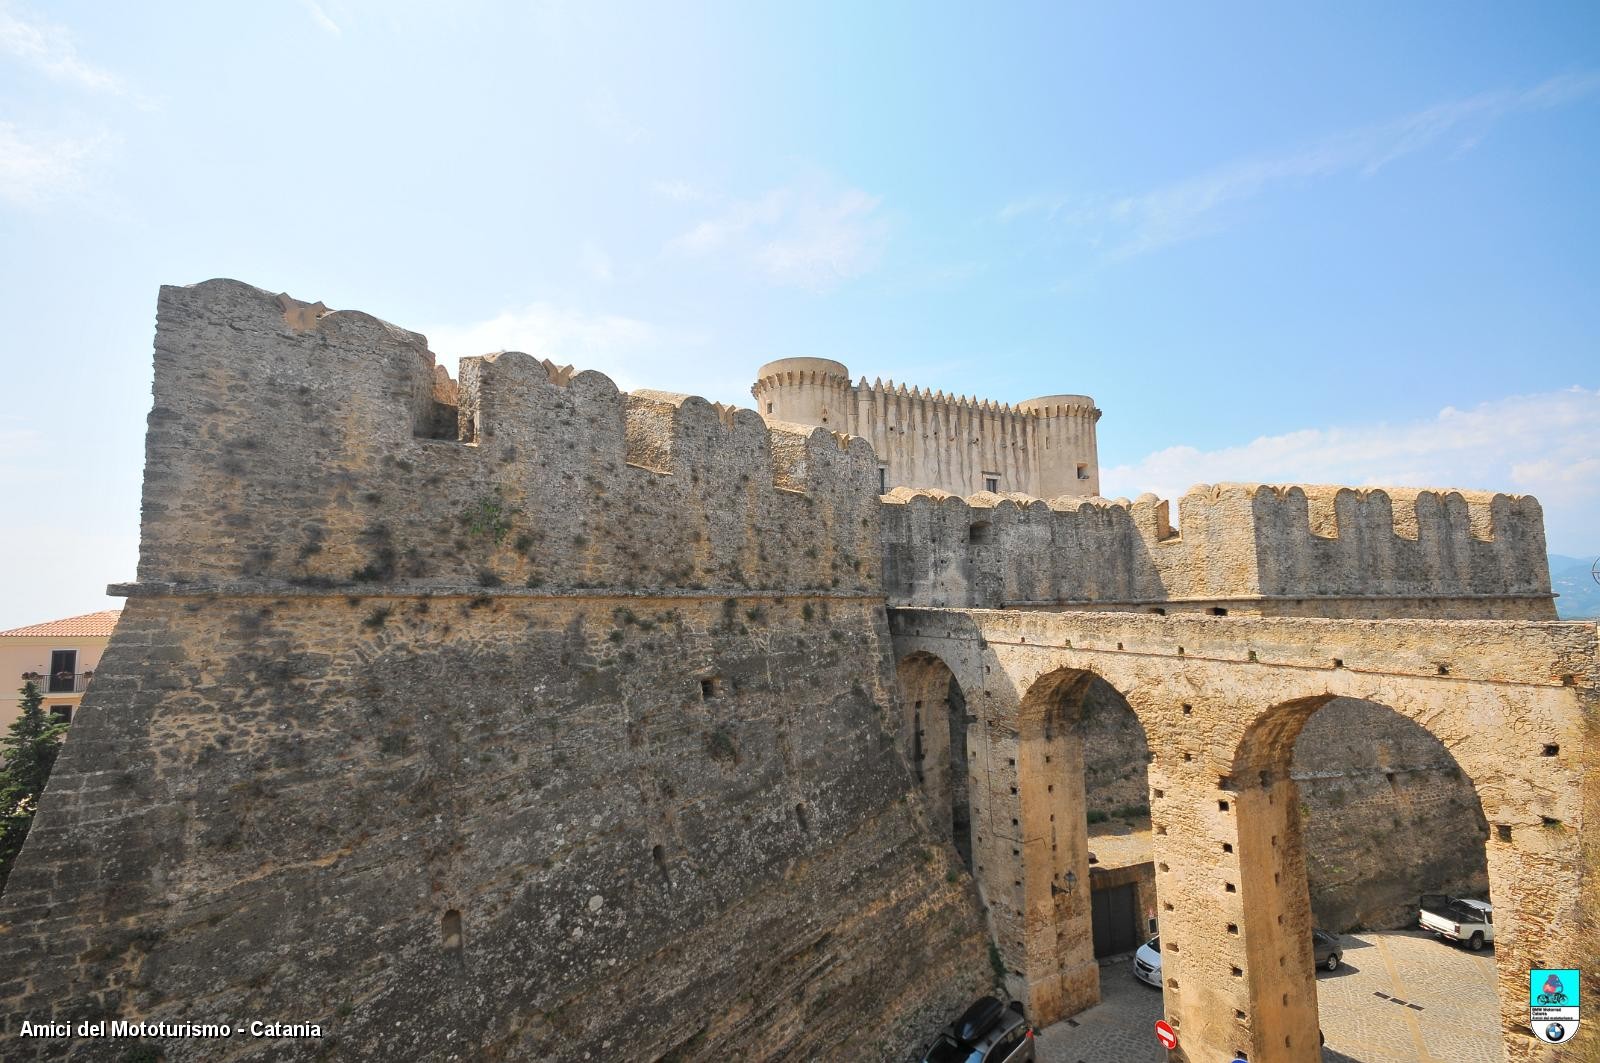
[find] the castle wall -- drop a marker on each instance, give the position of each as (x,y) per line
(1221,702)
(301,456)
(569,735)
(1045,447)
(1325,551)
(1388,815)
(513,717)
(1386,811)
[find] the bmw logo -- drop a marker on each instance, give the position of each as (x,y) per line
(1555,1032)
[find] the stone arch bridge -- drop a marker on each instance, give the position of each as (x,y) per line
(1221,700)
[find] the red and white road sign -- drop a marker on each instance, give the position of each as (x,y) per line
(1165,1035)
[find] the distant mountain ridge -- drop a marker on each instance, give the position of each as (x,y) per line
(1580,595)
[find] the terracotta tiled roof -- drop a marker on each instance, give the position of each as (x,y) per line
(89,625)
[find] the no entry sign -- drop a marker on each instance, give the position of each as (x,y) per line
(1164,1034)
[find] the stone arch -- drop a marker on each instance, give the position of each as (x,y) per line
(1387,814)
(1513,703)
(1271,868)
(933,738)
(1060,736)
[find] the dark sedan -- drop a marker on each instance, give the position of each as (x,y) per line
(1328,951)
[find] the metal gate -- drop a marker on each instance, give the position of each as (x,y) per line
(1116,927)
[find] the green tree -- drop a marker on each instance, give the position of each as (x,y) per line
(29,749)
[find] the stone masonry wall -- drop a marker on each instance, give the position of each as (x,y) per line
(1387,813)
(1222,701)
(1115,755)
(1330,551)
(296,449)
(570,737)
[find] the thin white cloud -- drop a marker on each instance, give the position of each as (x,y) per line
(678,191)
(20,448)
(595,262)
(617,345)
(49,48)
(321,17)
(1133,225)
(67,567)
(809,234)
(35,168)
(1546,445)
(606,114)
(633,353)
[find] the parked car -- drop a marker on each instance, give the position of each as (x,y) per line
(1457,919)
(987,1032)
(1147,960)
(1327,950)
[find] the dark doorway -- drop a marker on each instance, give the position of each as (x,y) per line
(1116,925)
(63,671)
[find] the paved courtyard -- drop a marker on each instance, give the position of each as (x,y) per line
(1438,1006)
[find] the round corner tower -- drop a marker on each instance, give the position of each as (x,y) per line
(806,391)
(1044,447)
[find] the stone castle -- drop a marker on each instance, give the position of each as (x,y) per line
(515,717)
(1044,447)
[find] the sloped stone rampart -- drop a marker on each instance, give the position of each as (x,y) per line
(566,736)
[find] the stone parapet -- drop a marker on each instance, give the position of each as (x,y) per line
(329,449)
(1242,547)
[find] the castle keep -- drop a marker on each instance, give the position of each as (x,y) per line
(1044,447)
(516,717)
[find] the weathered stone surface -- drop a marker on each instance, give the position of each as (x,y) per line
(514,717)
(1244,548)
(1387,812)
(1221,700)
(569,737)
(1044,446)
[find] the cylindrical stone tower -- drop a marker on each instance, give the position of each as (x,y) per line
(1070,462)
(1044,447)
(805,391)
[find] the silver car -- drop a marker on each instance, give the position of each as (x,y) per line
(1147,961)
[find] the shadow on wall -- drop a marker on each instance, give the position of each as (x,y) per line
(1116,760)
(1388,815)
(940,550)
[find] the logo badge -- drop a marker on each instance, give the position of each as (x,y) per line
(1553,1003)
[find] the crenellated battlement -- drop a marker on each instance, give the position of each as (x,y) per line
(1246,547)
(927,438)
(329,449)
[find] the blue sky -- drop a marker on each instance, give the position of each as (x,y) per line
(1349,243)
